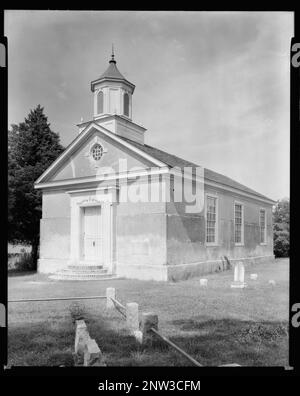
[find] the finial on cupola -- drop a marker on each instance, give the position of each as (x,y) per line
(112,55)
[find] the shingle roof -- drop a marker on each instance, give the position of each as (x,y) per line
(112,72)
(172,161)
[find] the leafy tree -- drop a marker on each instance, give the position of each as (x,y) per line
(32,147)
(281,226)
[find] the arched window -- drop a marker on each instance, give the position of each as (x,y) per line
(100,103)
(126,104)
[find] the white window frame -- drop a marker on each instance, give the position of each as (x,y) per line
(216,242)
(265,231)
(242,225)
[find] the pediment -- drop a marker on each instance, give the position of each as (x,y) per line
(78,161)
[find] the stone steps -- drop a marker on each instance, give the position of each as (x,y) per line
(82,272)
(85,267)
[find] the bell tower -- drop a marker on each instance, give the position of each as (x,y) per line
(112,93)
(113,103)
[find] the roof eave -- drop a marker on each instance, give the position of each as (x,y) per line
(115,79)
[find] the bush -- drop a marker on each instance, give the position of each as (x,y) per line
(25,263)
(281,221)
(281,243)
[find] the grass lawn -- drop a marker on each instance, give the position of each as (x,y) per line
(216,325)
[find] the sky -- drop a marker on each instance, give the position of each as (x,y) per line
(211,87)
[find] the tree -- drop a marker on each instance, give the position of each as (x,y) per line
(281,226)
(32,147)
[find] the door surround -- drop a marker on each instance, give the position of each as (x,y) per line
(106,198)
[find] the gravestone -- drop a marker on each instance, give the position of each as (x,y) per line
(239,276)
(203,282)
(253,276)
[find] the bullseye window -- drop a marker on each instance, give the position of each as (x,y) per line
(97,152)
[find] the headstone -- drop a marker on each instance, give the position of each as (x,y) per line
(253,276)
(81,337)
(149,320)
(110,293)
(93,355)
(239,276)
(132,316)
(203,282)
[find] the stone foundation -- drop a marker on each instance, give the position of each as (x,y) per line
(160,272)
(186,271)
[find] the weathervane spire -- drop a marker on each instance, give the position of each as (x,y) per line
(112,55)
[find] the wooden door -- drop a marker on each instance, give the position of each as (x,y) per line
(92,234)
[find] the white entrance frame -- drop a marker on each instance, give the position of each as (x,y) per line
(106,198)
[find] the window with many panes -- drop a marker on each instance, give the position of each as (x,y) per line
(262,225)
(238,223)
(211,219)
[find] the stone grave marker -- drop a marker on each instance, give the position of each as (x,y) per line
(239,276)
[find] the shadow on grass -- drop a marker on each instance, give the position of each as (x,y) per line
(15,272)
(211,342)
(249,343)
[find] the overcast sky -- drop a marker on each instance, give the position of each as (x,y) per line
(211,87)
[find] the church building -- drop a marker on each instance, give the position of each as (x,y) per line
(114,206)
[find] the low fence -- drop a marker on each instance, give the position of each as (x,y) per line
(146,329)
(87,351)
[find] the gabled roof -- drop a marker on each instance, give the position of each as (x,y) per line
(172,161)
(158,157)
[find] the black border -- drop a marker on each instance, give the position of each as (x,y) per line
(137,374)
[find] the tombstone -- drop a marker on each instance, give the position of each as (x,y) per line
(253,276)
(239,276)
(203,282)
(132,316)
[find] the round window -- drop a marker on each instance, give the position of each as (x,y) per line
(97,152)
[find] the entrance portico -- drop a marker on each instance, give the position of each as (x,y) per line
(92,237)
